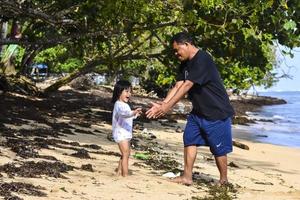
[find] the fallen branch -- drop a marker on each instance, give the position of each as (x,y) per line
(240,145)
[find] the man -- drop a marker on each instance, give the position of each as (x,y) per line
(209,122)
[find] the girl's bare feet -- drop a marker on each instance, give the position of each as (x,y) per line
(118,172)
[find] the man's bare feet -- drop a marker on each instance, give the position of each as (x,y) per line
(182,180)
(222,183)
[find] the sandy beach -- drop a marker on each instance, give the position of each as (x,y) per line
(77,136)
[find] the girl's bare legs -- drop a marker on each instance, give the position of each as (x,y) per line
(118,170)
(124,147)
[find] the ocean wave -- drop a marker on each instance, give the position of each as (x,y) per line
(278,117)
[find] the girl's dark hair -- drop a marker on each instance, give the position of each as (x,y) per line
(182,37)
(118,89)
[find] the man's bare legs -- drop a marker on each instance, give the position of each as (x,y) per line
(124,147)
(190,154)
(221,162)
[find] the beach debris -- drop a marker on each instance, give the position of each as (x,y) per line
(163,163)
(140,164)
(46,157)
(216,192)
(24,149)
(240,145)
(168,122)
(19,144)
(263,183)
(145,131)
(6,190)
(145,134)
(109,136)
(63,189)
(208,158)
(171,175)
(87,167)
(138,126)
(55,142)
(178,129)
(92,146)
(141,156)
(264,136)
(27,148)
(81,131)
(33,169)
(109,153)
(39,132)
(232,164)
(81,153)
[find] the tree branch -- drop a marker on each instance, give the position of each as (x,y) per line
(12,9)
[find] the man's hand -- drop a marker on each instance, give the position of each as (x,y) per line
(157,110)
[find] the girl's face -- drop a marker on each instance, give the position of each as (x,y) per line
(125,95)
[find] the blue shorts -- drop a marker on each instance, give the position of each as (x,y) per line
(215,134)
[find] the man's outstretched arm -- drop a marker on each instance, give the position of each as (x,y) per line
(158,110)
(173,91)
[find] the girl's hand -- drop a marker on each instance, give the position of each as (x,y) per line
(137,112)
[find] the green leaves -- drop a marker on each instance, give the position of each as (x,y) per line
(290,25)
(132,36)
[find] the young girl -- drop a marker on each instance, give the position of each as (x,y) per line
(122,123)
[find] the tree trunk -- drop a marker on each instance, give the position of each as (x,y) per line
(89,67)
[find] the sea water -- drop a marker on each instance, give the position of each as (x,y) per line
(278,124)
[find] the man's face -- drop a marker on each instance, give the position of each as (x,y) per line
(181,50)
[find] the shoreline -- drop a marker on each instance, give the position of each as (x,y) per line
(69,130)
(246,132)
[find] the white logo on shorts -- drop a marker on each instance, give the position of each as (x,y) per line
(218,145)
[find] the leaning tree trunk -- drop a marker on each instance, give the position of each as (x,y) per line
(89,67)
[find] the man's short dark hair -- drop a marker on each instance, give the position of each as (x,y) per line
(182,37)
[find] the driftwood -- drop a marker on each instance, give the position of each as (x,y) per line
(240,145)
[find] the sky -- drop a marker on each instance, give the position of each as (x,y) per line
(290,66)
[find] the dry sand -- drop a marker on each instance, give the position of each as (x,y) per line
(263,172)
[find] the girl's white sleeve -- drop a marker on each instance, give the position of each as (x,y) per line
(125,111)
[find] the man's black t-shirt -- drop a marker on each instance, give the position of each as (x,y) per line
(208,95)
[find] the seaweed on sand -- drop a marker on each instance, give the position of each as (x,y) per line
(6,190)
(216,192)
(81,153)
(36,169)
